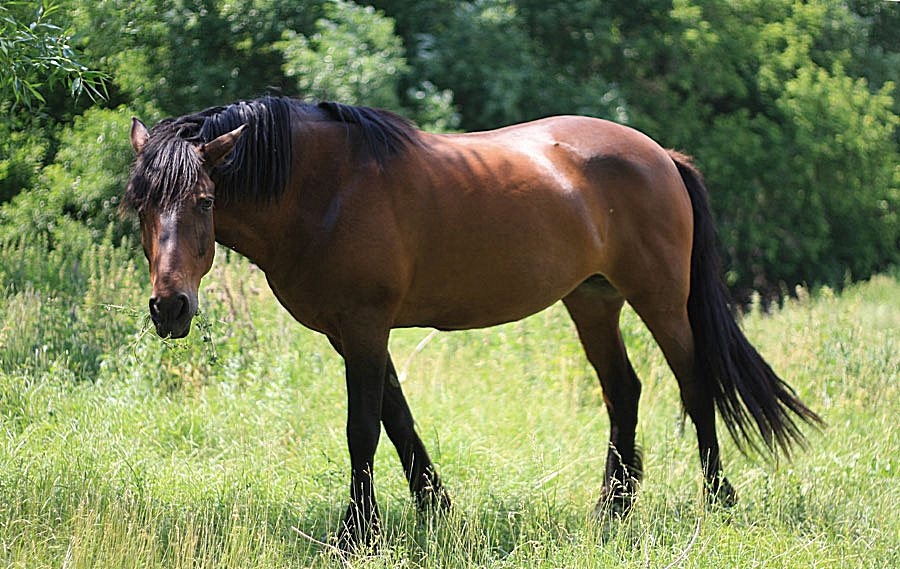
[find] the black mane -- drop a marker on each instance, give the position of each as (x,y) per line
(259,166)
(384,133)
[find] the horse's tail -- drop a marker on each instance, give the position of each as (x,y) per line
(744,387)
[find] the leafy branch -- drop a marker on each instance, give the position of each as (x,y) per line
(35,54)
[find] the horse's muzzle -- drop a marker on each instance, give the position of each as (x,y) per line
(172,315)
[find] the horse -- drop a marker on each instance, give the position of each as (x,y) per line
(363,223)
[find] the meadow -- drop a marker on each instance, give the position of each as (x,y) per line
(119,449)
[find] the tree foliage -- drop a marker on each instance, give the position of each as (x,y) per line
(353,56)
(35,54)
(798,152)
(788,106)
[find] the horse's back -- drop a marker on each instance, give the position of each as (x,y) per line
(506,222)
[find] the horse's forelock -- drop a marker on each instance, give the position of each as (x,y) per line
(164,173)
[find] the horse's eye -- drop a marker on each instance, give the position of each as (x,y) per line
(205,203)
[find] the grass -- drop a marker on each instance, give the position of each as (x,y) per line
(228,450)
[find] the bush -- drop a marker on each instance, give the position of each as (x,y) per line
(83,183)
(22,152)
(55,307)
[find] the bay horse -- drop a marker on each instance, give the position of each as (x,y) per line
(363,223)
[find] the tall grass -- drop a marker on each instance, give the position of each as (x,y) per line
(118,449)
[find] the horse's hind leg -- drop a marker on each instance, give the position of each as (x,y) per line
(672,330)
(595,307)
(424,482)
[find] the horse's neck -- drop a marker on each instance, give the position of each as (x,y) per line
(292,221)
(241,228)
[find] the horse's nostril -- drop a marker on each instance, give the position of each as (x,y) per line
(182,306)
(171,308)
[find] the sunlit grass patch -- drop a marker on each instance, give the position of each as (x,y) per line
(159,455)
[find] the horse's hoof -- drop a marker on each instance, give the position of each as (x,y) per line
(352,541)
(433,500)
(358,534)
(616,504)
(721,493)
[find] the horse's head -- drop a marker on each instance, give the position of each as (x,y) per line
(171,189)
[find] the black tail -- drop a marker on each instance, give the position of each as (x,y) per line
(745,388)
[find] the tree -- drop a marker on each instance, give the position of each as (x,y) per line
(36,59)
(799,155)
(788,106)
(508,61)
(170,57)
(35,54)
(353,57)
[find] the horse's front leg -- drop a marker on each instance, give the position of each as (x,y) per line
(365,358)
(424,482)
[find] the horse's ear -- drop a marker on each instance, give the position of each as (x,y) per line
(139,135)
(216,150)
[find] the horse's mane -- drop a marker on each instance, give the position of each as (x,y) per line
(259,166)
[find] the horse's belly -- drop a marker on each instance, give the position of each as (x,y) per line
(483,298)
(469,316)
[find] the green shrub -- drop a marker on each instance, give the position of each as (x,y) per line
(22,152)
(83,183)
(54,308)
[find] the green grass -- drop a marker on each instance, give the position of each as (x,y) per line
(228,450)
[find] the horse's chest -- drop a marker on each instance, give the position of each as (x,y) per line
(303,305)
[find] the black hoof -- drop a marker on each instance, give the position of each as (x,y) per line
(620,489)
(615,502)
(433,500)
(721,493)
(359,531)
